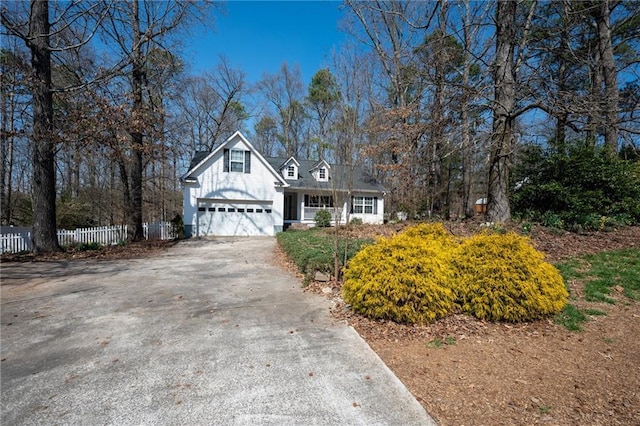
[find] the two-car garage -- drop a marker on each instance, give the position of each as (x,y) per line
(239,218)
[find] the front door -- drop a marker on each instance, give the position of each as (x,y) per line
(290,210)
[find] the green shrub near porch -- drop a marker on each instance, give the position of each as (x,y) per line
(312,249)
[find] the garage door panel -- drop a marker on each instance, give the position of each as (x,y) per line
(239,219)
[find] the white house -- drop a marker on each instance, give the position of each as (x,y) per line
(235,191)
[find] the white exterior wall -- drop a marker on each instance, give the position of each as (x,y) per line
(374,219)
(216,184)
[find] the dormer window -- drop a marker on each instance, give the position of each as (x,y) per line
(289,169)
(322,173)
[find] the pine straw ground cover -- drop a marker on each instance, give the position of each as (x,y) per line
(470,372)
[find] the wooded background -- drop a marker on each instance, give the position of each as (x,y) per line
(444,102)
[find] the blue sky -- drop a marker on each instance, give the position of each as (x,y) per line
(258,36)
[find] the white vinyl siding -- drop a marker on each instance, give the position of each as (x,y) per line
(219,188)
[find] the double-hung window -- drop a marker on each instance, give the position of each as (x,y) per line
(237,161)
(322,173)
(291,171)
(364,205)
(323,201)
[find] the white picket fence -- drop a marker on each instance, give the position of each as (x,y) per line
(105,235)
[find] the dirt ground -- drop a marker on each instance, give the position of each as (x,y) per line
(470,372)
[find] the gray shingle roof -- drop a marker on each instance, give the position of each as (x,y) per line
(339,176)
(197,158)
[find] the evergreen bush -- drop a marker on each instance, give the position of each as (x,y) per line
(322,218)
(355,221)
(598,185)
(404,278)
(424,273)
(501,277)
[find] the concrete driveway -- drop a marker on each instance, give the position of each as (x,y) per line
(210,332)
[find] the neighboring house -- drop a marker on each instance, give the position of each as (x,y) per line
(236,191)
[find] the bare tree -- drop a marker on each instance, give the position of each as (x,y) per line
(13,111)
(266,135)
(506,65)
(37,38)
(213,105)
(502,140)
(601,13)
(35,29)
(284,91)
(135,28)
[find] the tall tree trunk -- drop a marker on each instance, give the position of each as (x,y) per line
(137,78)
(594,119)
(44,233)
(467,201)
(601,14)
(502,137)
(5,138)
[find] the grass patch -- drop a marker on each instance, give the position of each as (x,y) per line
(571,318)
(600,273)
(438,343)
(612,269)
(312,249)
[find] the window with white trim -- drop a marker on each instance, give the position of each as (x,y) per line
(322,173)
(291,171)
(318,200)
(364,205)
(236,162)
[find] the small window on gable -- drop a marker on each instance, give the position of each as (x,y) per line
(237,161)
(291,171)
(322,173)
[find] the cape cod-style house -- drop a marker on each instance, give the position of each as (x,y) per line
(235,191)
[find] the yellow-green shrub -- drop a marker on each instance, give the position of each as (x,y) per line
(404,278)
(502,277)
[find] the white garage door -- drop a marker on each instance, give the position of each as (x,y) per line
(235,218)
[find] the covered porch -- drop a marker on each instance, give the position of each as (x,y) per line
(301,207)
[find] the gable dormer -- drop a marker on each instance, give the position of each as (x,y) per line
(290,169)
(320,171)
